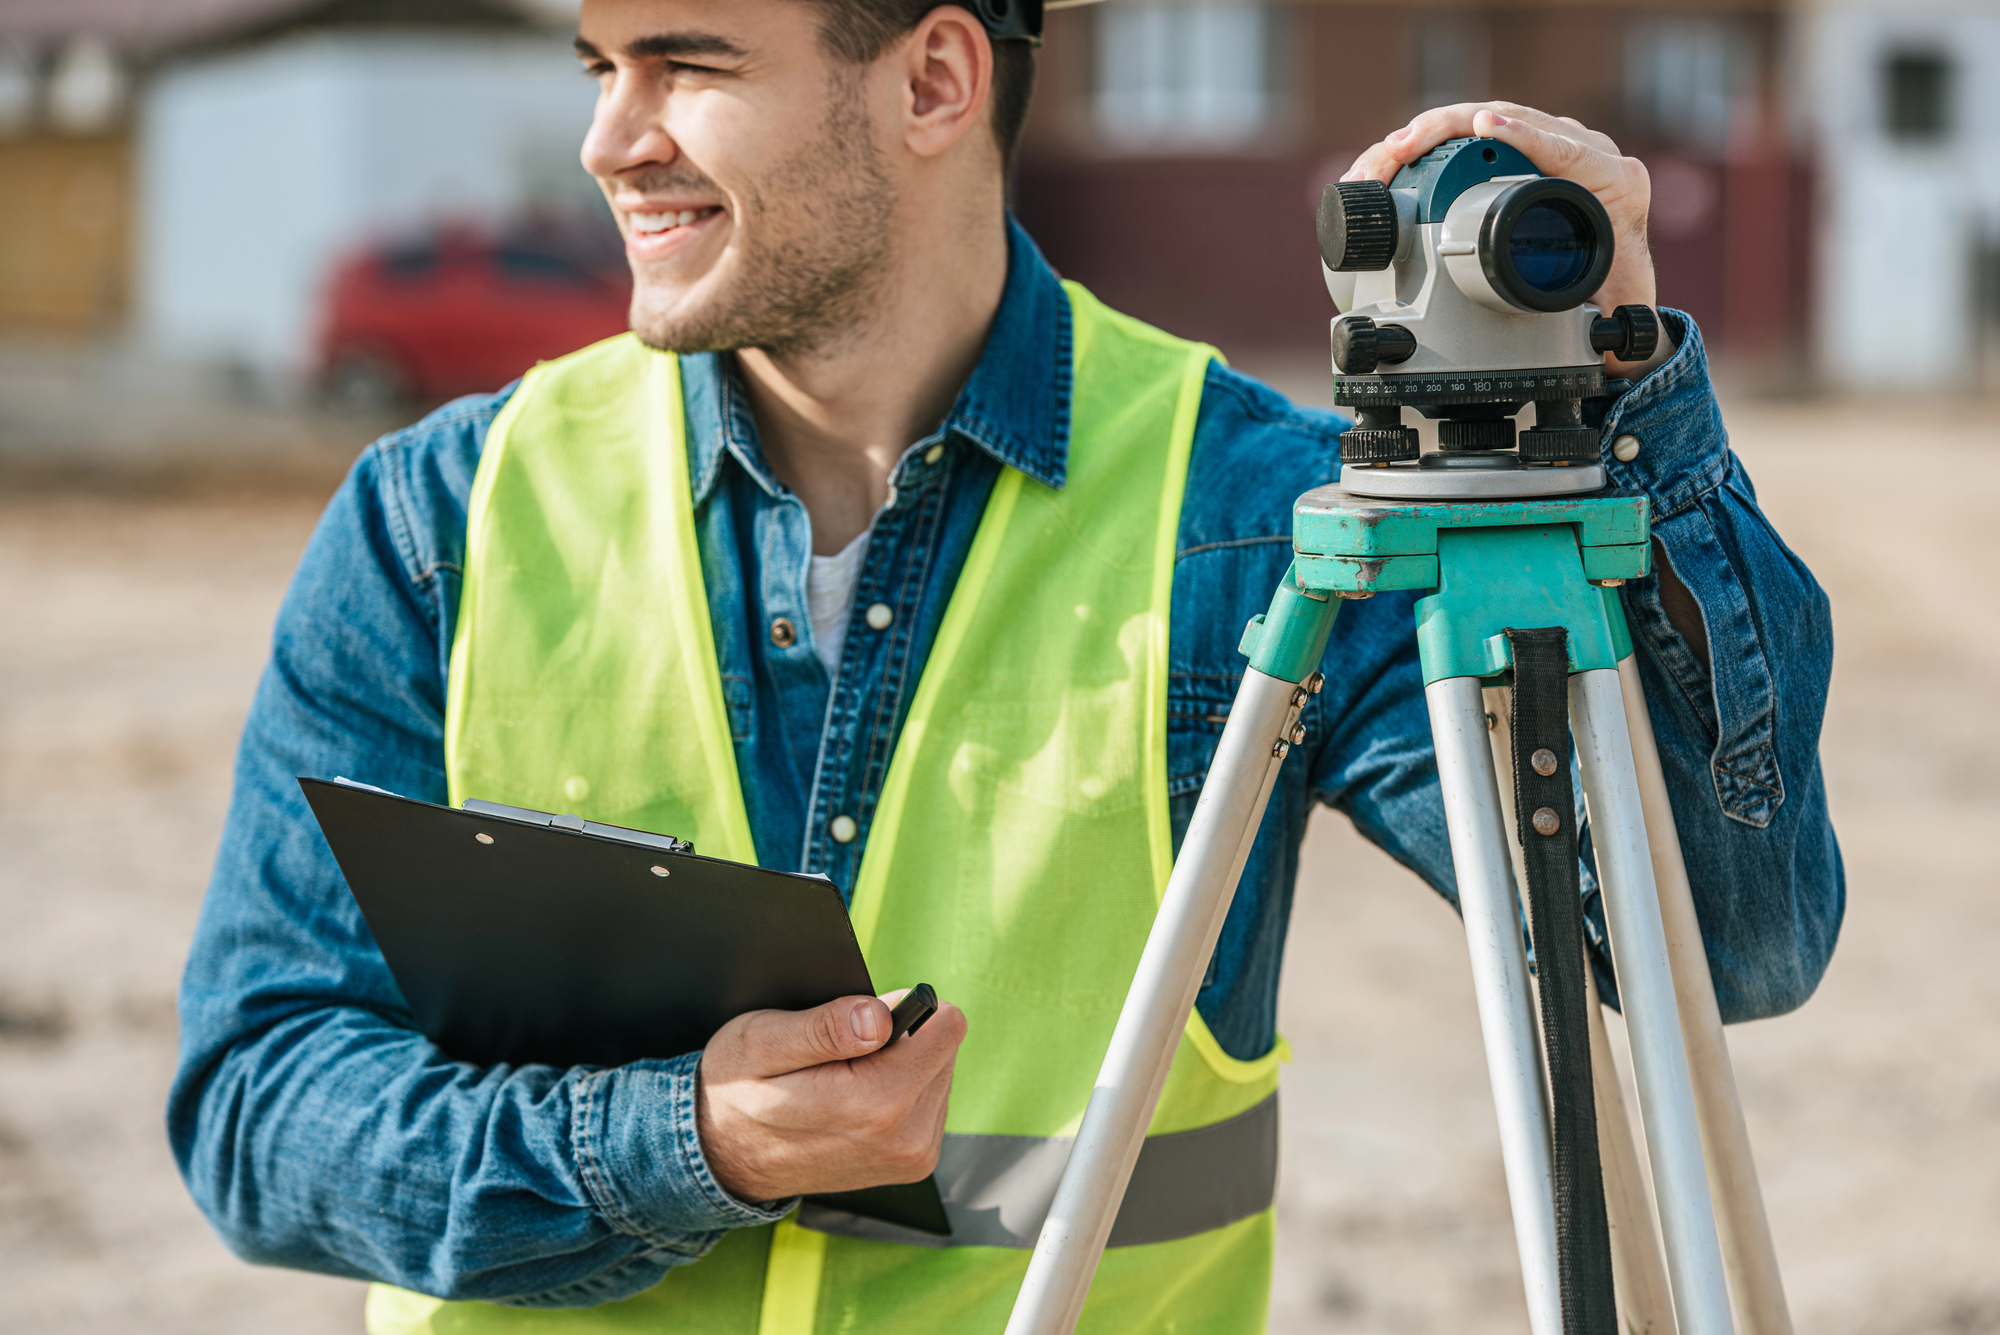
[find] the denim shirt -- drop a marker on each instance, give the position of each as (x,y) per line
(319,1130)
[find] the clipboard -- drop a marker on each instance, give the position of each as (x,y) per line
(519,936)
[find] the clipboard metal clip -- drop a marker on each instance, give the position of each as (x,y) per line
(666,843)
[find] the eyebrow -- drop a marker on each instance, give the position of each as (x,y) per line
(667,45)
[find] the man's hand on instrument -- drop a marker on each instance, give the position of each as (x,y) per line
(796,1103)
(1558,146)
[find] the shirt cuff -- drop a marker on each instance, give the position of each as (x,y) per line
(638,1148)
(1672,413)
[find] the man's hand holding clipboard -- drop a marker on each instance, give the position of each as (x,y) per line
(839,1097)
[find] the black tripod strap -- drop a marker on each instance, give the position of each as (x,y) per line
(1545,818)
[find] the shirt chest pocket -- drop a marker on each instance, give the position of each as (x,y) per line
(1197,707)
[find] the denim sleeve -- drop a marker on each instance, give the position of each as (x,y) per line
(314,1126)
(1739,744)
(1739,738)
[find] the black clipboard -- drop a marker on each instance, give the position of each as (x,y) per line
(519,937)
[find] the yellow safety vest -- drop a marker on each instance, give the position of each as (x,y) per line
(1016,858)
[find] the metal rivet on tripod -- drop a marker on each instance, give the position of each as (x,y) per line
(1545,821)
(1298,733)
(1315,681)
(1543,760)
(1281,749)
(1492,722)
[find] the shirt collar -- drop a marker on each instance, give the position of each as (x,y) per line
(1015,405)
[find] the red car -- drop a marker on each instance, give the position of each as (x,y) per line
(457,312)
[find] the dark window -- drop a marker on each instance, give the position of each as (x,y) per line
(538,266)
(410,262)
(1987,263)
(1916,95)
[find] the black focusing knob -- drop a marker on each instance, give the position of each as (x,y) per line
(1357,226)
(1360,345)
(1630,333)
(1356,347)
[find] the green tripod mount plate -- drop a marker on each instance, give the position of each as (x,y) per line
(1518,561)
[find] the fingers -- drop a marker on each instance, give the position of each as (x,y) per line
(1552,153)
(919,1057)
(916,1131)
(831,1126)
(1400,148)
(764,1044)
(894,1079)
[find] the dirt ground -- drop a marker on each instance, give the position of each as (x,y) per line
(135,626)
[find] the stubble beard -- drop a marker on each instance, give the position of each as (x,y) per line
(812,248)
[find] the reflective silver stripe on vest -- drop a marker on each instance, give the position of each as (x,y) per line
(997,1189)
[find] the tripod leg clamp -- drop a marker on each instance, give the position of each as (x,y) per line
(1288,641)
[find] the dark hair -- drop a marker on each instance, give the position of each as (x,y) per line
(858,31)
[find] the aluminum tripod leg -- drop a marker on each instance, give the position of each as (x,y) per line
(1645,1299)
(1646,989)
(1156,1009)
(1747,1252)
(1482,867)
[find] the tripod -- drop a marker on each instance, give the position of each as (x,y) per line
(1502,547)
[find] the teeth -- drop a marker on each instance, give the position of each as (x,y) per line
(660,222)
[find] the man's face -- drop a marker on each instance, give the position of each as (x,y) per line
(743,167)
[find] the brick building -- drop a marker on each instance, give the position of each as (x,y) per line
(1175,149)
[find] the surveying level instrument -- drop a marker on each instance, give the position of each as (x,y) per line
(1462,287)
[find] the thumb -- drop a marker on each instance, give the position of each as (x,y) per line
(774,1043)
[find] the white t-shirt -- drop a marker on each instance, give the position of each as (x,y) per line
(830,597)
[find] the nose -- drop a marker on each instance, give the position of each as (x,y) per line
(627,129)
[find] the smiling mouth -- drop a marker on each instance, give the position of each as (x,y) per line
(654,224)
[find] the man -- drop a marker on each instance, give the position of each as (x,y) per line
(919,569)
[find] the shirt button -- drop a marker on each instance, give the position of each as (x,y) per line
(783,633)
(933,454)
(880,616)
(843,829)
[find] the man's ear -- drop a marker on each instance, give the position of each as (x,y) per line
(948,80)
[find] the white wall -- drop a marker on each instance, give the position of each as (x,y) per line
(1900,222)
(260,168)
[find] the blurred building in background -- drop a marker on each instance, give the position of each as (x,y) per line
(226,180)
(200,171)
(271,152)
(1898,104)
(66,198)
